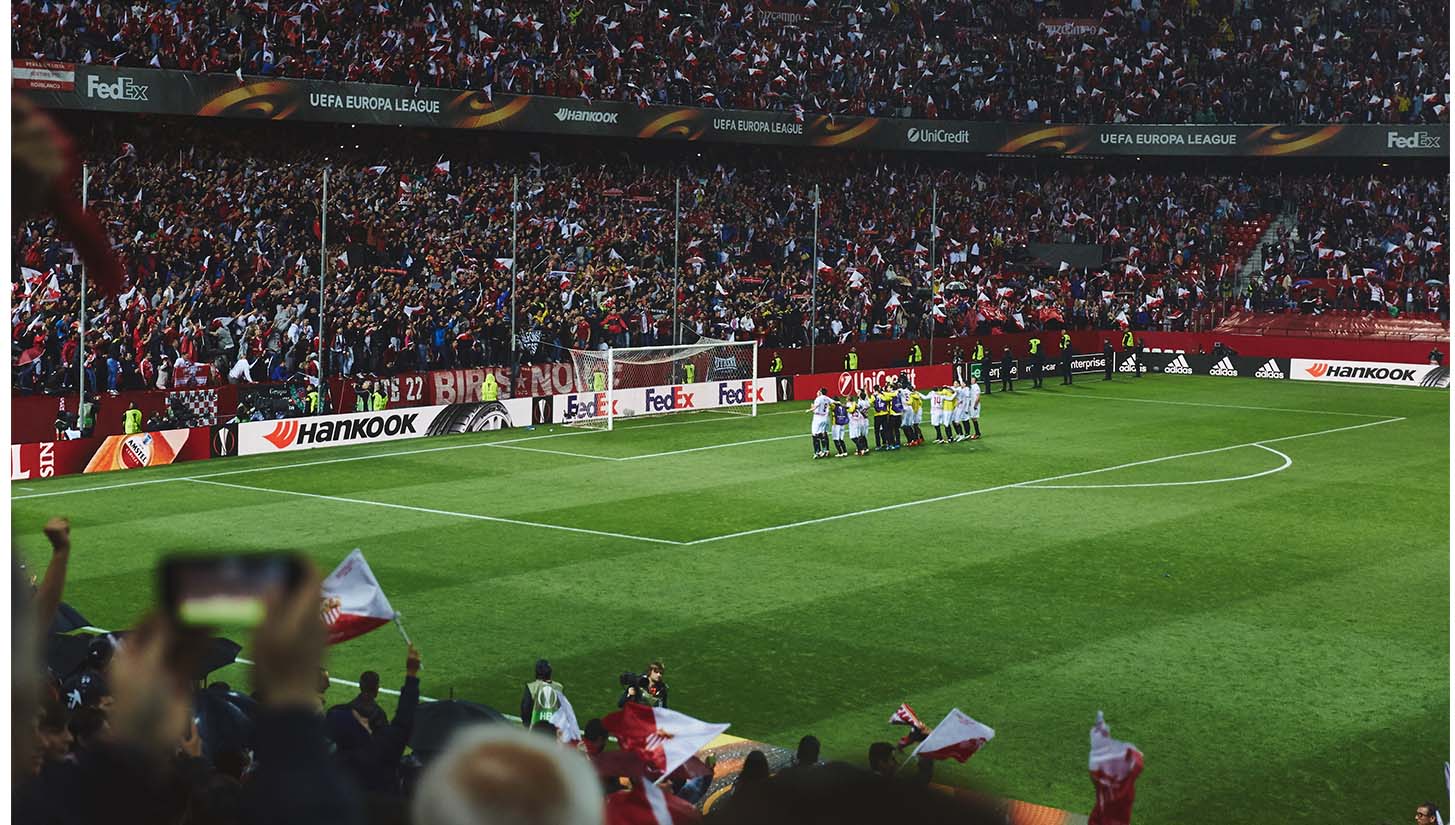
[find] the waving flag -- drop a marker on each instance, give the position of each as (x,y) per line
(564,721)
(905,715)
(1114,767)
(958,737)
(353,601)
(664,738)
(647,804)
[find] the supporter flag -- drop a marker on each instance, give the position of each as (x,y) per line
(442,166)
(647,804)
(378,170)
(823,267)
(504,263)
(957,737)
(127,151)
(342,260)
(1064,267)
(1114,767)
(353,601)
(664,738)
(564,721)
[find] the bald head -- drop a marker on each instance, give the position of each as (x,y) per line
(502,774)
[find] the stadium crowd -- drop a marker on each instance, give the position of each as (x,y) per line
(133,728)
(1140,61)
(221,237)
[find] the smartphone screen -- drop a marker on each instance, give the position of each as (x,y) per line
(233,590)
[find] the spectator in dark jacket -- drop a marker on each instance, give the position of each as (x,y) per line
(371,755)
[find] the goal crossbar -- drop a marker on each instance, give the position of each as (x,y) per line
(627,382)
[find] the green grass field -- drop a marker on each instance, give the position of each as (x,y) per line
(1276,643)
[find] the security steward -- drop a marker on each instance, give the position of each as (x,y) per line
(131,419)
(1007,364)
(313,402)
(775,367)
(1132,348)
(1065,358)
(1109,355)
(916,355)
(982,356)
(1038,361)
(851,361)
(490,390)
(689,371)
(380,401)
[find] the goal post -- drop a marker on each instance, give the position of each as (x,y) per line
(721,376)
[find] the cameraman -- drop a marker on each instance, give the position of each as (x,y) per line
(648,690)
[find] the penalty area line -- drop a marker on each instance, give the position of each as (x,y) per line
(1032,482)
(436,512)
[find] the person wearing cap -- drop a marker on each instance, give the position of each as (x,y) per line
(542,696)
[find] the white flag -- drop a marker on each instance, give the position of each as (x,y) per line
(958,737)
(353,601)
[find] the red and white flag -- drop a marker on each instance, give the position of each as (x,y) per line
(647,804)
(958,737)
(1114,767)
(664,738)
(442,167)
(905,716)
(353,601)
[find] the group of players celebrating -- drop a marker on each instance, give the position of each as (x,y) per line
(896,409)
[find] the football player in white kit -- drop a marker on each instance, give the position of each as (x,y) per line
(820,429)
(962,411)
(975,407)
(936,397)
(859,424)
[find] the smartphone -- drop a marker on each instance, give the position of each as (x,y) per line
(226,589)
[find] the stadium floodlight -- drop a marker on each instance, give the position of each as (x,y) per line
(626,382)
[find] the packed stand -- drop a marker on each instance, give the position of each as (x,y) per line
(135,727)
(1216,61)
(222,250)
(1368,244)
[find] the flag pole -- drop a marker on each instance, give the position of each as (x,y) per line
(322,270)
(676,267)
(934,213)
(399,624)
(813,291)
(81,335)
(514,220)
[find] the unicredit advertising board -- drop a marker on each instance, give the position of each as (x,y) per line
(1370,372)
(850,383)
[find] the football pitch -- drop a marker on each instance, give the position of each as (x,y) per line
(1251,578)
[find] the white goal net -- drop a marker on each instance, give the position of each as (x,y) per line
(630,381)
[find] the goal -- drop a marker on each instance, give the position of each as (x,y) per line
(632,381)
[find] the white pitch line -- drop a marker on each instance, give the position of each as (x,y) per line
(433,511)
(502,445)
(998,487)
(1287,462)
(708,447)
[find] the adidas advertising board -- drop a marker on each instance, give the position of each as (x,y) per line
(1370,372)
(1178,366)
(1224,367)
(1270,369)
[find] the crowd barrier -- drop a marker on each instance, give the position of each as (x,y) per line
(48,458)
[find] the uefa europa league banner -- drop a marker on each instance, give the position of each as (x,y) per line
(103,88)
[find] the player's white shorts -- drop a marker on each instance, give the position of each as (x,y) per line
(859,428)
(959,414)
(975,412)
(937,418)
(839,432)
(820,424)
(909,417)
